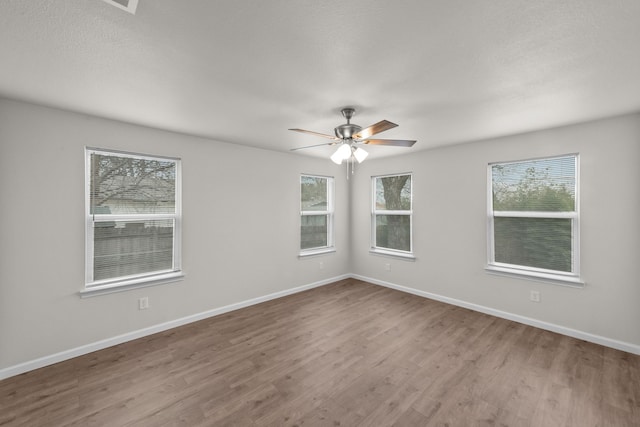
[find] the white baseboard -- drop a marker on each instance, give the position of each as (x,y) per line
(99,345)
(597,339)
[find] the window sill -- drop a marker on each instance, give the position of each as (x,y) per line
(557,279)
(394,254)
(127,285)
(314,252)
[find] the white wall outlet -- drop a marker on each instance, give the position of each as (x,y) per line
(321,265)
(534,296)
(143,303)
(387,267)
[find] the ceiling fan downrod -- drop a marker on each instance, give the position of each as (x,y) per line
(347,130)
(348,112)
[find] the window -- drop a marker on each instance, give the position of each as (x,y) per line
(533,218)
(133,217)
(391,215)
(316,214)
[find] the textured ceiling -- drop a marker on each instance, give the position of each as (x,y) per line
(447,71)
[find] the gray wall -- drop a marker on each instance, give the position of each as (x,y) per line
(240,234)
(450,205)
(230,257)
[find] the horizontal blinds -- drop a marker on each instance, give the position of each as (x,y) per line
(314,231)
(546,185)
(131,248)
(133,212)
(393,232)
(129,185)
(534,210)
(534,242)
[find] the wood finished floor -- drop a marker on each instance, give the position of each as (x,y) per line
(346,354)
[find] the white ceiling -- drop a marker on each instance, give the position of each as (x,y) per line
(447,71)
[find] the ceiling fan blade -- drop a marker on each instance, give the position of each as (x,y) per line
(381,126)
(311,146)
(393,142)
(324,135)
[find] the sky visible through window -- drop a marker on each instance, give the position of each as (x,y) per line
(535,185)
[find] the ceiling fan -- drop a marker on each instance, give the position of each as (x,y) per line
(350,136)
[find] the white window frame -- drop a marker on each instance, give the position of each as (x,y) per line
(106,286)
(375,212)
(553,276)
(329,213)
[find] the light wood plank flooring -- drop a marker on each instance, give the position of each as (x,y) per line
(346,354)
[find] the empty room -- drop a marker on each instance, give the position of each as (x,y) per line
(319,213)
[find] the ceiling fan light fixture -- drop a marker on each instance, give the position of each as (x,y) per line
(342,153)
(360,154)
(336,158)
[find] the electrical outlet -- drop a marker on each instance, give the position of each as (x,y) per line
(321,265)
(387,267)
(534,296)
(143,303)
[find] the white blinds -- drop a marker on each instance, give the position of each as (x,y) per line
(534,213)
(544,185)
(133,214)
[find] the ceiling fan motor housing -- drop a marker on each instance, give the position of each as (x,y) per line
(347,131)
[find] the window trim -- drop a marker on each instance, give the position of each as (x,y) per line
(329,213)
(379,250)
(123,283)
(513,270)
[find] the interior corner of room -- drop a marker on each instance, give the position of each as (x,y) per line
(440,104)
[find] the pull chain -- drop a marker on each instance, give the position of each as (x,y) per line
(347,162)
